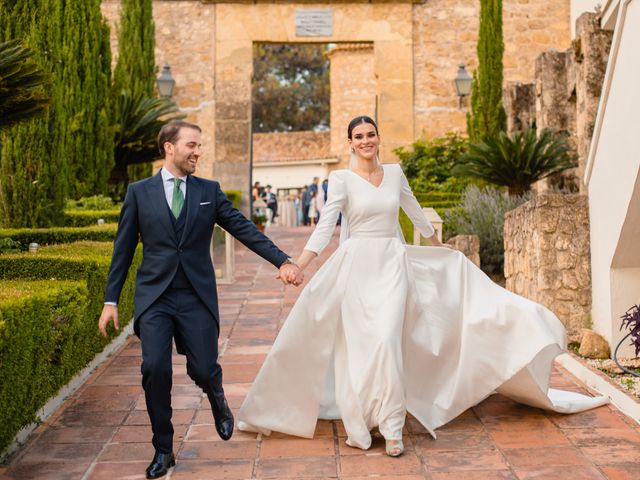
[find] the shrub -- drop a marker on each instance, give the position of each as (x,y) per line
(518,161)
(482,213)
(96,202)
(84,218)
(235,196)
(50,236)
(8,245)
(48,328)
(429,162)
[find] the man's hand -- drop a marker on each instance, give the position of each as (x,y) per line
(109,312)
(289,273)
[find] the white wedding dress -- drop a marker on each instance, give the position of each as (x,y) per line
(384,328)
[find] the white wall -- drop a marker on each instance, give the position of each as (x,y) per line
(288,176)
(613,181)
(578,7)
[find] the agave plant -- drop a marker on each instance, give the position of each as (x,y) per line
(21,80)
(519,161)
(137,123)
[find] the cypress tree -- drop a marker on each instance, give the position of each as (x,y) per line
(135,71)
(487,116)
(71,149)
(86,140)
(32,188)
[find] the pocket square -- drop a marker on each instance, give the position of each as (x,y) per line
(205,203)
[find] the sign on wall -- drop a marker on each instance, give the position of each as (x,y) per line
(314,23)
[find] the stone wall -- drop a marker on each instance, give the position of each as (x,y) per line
(520,105)
(467,244)
(547,256)
(189,53)
(591,50)
(567,93)
(290,146)
(353,93)
(445,33)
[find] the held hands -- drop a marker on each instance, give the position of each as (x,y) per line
(109,312)
(290,274)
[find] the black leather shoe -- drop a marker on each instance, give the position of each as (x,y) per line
(222,416)
(160,465)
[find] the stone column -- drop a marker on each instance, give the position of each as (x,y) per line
(234,64)
(520,106)
(591,48)
(556,108)
(353,92)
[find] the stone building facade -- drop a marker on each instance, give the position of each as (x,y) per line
(353,92)
(415,48)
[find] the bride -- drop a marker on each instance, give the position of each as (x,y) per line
(384,328)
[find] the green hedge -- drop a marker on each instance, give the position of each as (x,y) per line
(235,196)
(50,236)
(85,218)
(440,201)
(427,198)
(49,311)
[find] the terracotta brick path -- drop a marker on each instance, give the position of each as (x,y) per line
(102,432)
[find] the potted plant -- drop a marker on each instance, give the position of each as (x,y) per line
(260,219)
(631,320)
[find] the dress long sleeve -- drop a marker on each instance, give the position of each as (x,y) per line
(412,208)
(336,200)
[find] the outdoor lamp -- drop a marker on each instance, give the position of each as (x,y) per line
(165,82)
(463,83)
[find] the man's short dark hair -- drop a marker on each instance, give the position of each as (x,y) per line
(170,132)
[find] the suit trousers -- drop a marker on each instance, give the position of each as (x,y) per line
(178,312)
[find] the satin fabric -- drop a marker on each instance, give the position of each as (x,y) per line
(384,328)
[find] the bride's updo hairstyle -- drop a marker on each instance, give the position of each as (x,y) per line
(358,121)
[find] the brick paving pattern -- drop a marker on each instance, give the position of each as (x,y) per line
(102,431)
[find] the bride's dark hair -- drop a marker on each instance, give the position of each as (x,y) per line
(359,120)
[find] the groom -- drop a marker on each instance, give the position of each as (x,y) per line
(173,214)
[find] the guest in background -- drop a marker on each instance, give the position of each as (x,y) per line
(305,201)
(256,191)
(287,217)
(272,204)
(297,204)
(321,198)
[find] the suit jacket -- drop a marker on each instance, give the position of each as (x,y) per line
(145,215)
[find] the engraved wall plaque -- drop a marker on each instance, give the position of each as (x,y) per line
(314,22)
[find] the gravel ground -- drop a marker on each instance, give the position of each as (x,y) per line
(629,383)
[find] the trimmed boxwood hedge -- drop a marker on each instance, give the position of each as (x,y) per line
(54,235)
(440,201)
(85,218)
(48,324)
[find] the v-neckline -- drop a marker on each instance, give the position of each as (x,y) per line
(384,175)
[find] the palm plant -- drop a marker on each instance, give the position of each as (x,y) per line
(137,123)
(21,80)
(517,162)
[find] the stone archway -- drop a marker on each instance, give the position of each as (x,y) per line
(386,26)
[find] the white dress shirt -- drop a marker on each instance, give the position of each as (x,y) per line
(168,182)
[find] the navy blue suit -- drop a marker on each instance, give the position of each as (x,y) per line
(175,294)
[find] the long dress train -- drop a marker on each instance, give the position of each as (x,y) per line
(384,328)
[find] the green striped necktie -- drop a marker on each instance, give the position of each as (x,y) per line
(177,202)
